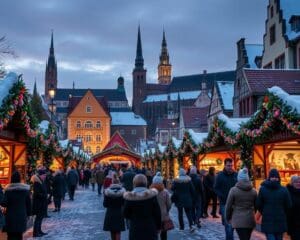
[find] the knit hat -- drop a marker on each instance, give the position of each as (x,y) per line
(157,178)
(274,174)
(243,175)
(193,170)
(182,172)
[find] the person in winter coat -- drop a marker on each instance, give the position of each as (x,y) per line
(113,202)
(273,202)
(198,198)
(294,212)
(72,181)
(108,179)
(142,209)
(39,201)
(225,180)
(18,207)
(240,206)
(87,175)
(209,182)
(93,179)
(164,201)
(58,189)
(183,195)
(127,179)
(99,179)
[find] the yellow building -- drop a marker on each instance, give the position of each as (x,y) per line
(89,120)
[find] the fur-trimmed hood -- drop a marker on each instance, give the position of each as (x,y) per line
(17,187)
(115,190)
(140,194)
(36,178)
(182,179)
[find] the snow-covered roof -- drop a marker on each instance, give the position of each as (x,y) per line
(197,137)
(177,143)
(126,118)
(64,143)
(233,124)
(291,100)
(226,89)
(290,8)
(161,148)
(173,96)
(253,50)
(6,84)
(43,126)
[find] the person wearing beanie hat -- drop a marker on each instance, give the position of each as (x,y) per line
(157,179)
(183,193)
(18,207)
(240,205)
(273,203)
(243,175)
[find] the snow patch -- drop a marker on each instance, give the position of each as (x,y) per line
(43,126)
(197,137)
(173,96)
(126,118)
(234,124)
(226,89)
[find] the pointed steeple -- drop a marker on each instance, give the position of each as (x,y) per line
(51,58)
(139,60)
(34,88)
(164,66)
(52,45)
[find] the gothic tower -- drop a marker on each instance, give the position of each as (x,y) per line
(139,78)
(164,66)
(51,71)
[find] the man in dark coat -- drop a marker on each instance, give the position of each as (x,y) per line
(72,180)
(183,196)
(87,175)
(225,180)
(127,179)
(209,182)
(58,189)
(39,201)
(142,209)
(18,207)
(99,179)
(198,198)
(273,202)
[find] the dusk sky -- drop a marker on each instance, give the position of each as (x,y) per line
(95,41)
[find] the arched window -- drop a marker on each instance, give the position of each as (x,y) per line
(97,149)
(98,124)
(78,124)
(88,124)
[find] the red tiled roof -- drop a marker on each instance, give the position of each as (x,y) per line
(194,117)
(167,123)
(261,79)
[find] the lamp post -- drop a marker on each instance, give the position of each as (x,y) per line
(52,108)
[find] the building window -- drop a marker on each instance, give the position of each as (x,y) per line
(88,109)
(97,149)
(272,34)
(98,124)
(78,137)
(88,138)
(98,138)
(280,62)
(78,124)
(88,124)
(122,132)
(88,149)
(133,132)
(272,11)
(295,23)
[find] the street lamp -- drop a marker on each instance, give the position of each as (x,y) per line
(52,107)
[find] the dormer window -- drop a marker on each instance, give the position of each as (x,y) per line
(295,23)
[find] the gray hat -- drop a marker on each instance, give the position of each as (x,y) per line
(243,175)
(182,172)
(157,178)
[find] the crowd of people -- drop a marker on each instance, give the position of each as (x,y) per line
(140,200)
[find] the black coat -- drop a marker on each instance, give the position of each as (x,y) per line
(18,207)
(127,180)
(197,183)
(183,192)
(39,198)
(273,202)
(224,182)
(143,211)
(58,185)
(72,177)
(294,213)
(113,202)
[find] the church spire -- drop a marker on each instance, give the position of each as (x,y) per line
(139,60)
(164,66)
(52,45)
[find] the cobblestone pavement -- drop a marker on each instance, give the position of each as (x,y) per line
(82,219)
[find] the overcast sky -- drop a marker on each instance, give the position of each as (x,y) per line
(95,40)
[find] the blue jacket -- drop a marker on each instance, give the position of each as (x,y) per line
(273,202)
(224,182)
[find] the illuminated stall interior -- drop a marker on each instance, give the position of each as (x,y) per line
(282,155)
(57,163)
